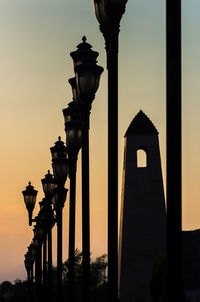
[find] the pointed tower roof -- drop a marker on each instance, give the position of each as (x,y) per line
(141,125)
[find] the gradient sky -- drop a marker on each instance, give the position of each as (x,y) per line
(36,39)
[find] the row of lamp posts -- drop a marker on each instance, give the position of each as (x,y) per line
(84,86)
(64,161)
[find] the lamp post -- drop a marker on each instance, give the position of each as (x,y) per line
(30,195)
(31,250)
(174,291)
(87,74)
(60,172)
(43,205)
(44,221)
(48,185)
(73,143)
(109,14)
(37,241)
(29,260)
(30,199)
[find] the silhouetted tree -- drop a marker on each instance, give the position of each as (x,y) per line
(98,280)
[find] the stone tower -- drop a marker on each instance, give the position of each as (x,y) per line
(143,217)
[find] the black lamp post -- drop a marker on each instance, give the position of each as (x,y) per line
(30,199)
(87,74)
(29,260)
(48,185)
(174,291)
(60,172)
(109,14)
(43,210)
(37,241)
(27,267)
(32,250)
(73,129)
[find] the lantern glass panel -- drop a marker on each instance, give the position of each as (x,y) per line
(60,170)
(73,137)
(54,199)
(115,2)
(48,188)
(100,13)
(67,118)
(54,155)
(30,201)
(86,83)
(96,82)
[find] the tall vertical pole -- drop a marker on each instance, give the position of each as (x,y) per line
(38,274)
(112,65)
(113,176)
(174,290)
(109,14)
(72,214)
(59,253)
(49,264)
(45,267)
(29,285)
(86,208)
(31,281)
(34,278)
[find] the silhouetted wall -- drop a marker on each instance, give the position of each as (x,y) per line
(191,259)
(143,217)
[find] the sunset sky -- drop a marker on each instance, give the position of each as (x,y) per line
(36,39)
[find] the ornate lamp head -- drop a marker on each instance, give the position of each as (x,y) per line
(30,199)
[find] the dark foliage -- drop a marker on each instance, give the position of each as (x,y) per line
(98,267)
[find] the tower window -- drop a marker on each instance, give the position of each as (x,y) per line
(141,158)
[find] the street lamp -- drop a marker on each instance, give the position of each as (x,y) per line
(29,260)
(40,229)
(48,185)
(87,74)
(109,14)
(59,162)
(44,220)
(30,199)
(73,129)
(60,171)
(37,241)
(32,250)
(174,289)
